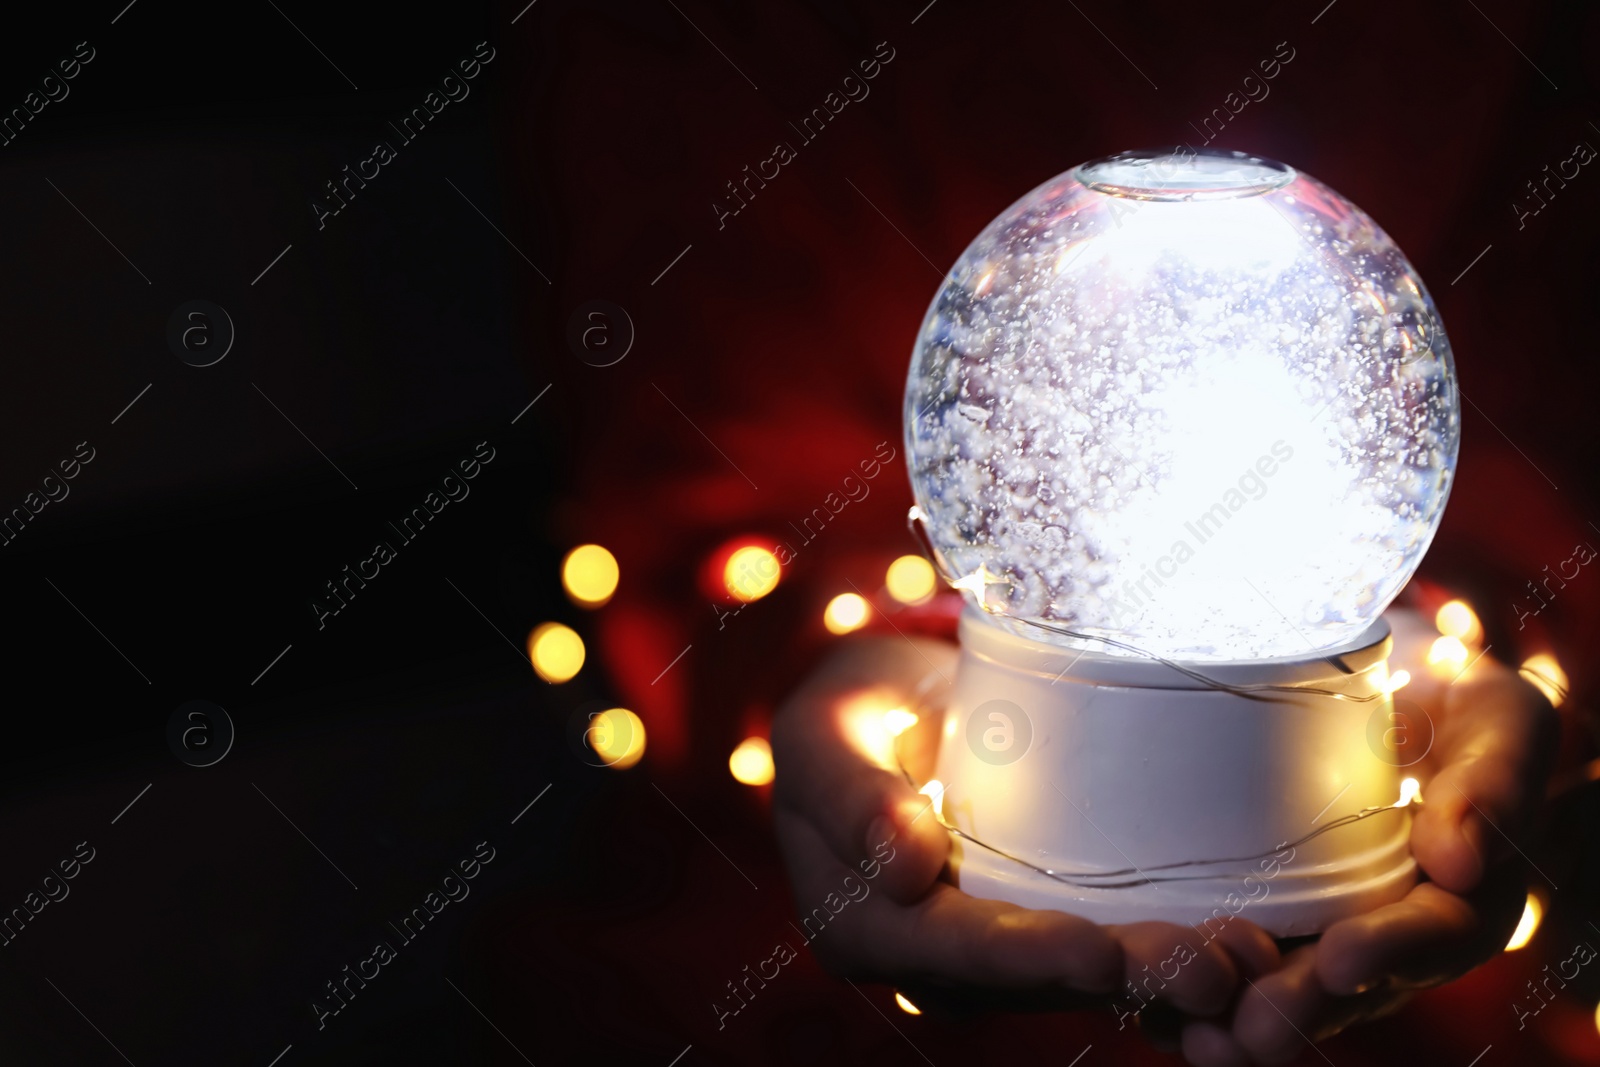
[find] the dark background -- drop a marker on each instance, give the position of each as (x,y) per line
(768,361)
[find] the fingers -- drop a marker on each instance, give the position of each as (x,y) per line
(994,943)
(1270,1023)
(1179,966)
(1251,948)
(1495,743)
(836,767)
(1430,937)
(946,937)
(1280,1014)
(1207,1044)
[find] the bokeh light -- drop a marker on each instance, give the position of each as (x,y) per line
(751,762)
(898,720)
(556,651)
(863,724)
(1410,790)
(1457,619)
(1547,676)
(911,579)
(751,573)
(906,1005)
(1447,656)
(617,736)
(1532,913)
(589,574)
(845,613)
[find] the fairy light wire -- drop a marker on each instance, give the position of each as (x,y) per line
(915,519)
(1101,879)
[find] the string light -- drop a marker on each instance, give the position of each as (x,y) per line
(906,1005)
(751,573)
(589,573)
(911,579)
(751,762)
(617,736)
(845,613)
(1397,681)
(898,720)
(1410,793)
(1547,677)
(934,791)
(1532,913)
(1457,619)
(556,652)
(1447,656)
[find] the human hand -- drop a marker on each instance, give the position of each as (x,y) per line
(1482,781)
(855,832)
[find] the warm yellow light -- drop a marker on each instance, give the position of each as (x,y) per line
(898,720)
(1597,1018)
(589,575)
(911,579)
(1532,912)
(617,736)
(1397,681)
(1547,676)
(751,573)
(1447,656)
(934,791)
(1456,619)
(556,652)
(751,762)
(906,1005)
(863,722)
(1410,791)
(846,612)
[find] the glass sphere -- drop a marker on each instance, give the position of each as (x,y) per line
(1197,403)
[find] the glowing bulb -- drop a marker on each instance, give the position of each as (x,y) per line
(911,579)
(906,1005)
(1397,681)
(751,762)
(934,791)
(751,573)
(845,613)
(1547,677)
(1410,791)
(863,723)
(1457,619)
(1447,656)
(617,737)
(1532,913)
(556,652)
(898,720)
(589,574)
(1140,388)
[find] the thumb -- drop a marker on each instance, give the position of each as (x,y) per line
(1496,740)
(836,769)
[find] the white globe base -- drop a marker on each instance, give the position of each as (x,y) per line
(1087,764)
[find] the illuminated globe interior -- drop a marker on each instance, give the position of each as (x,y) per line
(1198,404)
